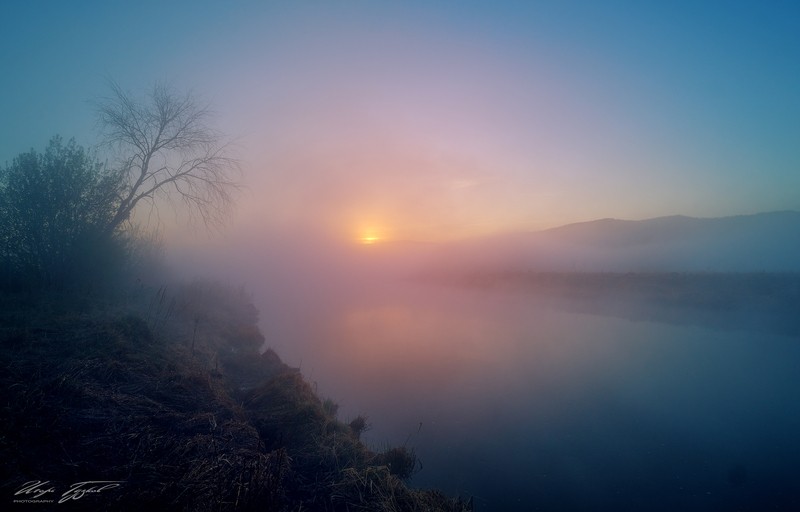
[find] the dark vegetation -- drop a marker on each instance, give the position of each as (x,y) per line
(767,302)
(171,395)
(54,207)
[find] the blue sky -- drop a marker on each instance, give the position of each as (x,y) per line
(430,120)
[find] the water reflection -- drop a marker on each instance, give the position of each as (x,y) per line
(528,407)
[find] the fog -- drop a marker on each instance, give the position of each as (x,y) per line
(531,397)
(409,173)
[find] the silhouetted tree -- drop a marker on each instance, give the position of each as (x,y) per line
(167,149)
(54,207)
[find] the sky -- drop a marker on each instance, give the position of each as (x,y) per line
(440,120)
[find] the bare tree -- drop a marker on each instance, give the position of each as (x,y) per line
(167,149)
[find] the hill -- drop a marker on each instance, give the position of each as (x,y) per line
(766,242)
(164,400)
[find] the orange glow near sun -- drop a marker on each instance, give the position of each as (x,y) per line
(370,236)
(369,232)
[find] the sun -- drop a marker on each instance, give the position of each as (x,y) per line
(370,235)
(369,232)
(369,239)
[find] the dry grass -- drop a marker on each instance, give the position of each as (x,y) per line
(186,413)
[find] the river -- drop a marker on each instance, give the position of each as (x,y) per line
(525,406)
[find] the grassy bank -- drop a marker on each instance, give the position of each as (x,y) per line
(167,394)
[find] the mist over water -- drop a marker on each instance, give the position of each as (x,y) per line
(531,403)
(526,407)
(592,365)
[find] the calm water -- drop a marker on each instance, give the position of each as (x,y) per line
(530,407)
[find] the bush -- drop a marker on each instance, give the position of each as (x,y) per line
(54,207)
(359,425)
(401,461)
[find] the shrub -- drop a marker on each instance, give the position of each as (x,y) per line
(53,207)
(401,461)
(359,425)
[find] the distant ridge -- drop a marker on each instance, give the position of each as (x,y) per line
(762,242)
(681,220)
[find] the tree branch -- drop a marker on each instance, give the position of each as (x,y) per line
(175,131)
